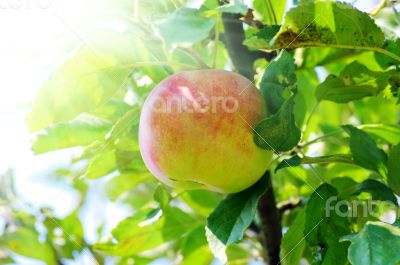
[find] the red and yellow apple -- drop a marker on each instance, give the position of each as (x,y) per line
(196,131)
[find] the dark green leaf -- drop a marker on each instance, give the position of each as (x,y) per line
(324,23)
(378,190)
(392,46)
(355,82)
(291,162)
(345,186)
(268,32)
(393,164)
(293,242)
(365,152)
(278,132)
(324,227)
(278,75)
(227,223)
(376,244)
(185,25)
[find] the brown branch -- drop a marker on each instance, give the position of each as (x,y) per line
(243,60)
(271,228)
(233,38)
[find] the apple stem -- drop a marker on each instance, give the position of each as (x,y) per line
(243,60)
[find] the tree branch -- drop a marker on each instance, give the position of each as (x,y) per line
(243,60)
(271,228)
(233,38)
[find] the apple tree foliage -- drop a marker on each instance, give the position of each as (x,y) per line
(333,92)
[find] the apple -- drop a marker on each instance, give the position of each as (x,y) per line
(196,131)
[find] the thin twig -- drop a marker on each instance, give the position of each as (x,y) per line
(309,119)
(200,62)
(379,8)
(216,40)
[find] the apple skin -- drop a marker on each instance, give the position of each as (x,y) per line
(195,131)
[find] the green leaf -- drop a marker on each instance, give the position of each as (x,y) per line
(263,7)
(376,244)
(6,260)
(378,190)
(345,186)
(293,242)
(365,151)
(119,150)
(355,82)
(278,75)
(125,124)
(202,201)
(26,242)
(227,223)
(87,80)
(279,131)
(393,164)
(162,196)
(122,183)
(323,56)
(79,132)
(112,110)
(324,23)
(137,234)
(291,162)
(100,165)
(324,227)
(392,46)
(71,232)
(194,248)
(235,7)
(387,132)
(185,25)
